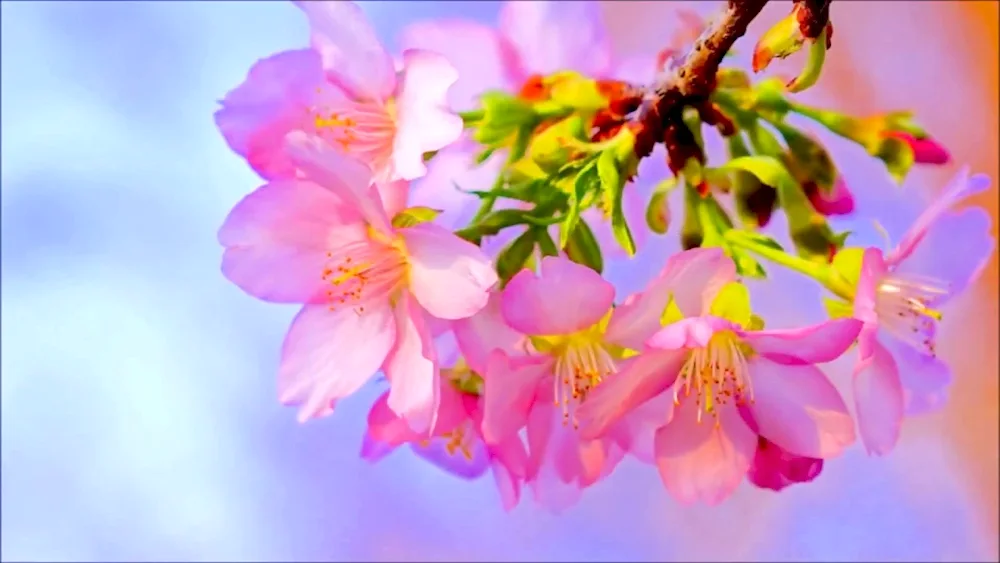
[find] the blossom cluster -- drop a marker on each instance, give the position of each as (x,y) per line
(503,346)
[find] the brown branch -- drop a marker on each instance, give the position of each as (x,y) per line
(813,16)
(689,84)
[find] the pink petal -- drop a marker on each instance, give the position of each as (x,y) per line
(703,461)
(411,367)
(878,398)
(474,49)
(816,344)
(873,269)
(449,173)
(925,379)
(640,379)
(449,276)
(961,187)
(387,427)
(350,48)
(797,408)
(508,485)
(839,201)
(328,355)
(277,238)
(425,124)
(925,151)
(689,333)
(775,469)
(640,426)
(554,36)
(484,332)
(936,257)
(373,451)
(344,175)
(509,393)
(564,299)
(436,452)
(393,196)
(692,278)
(257,114)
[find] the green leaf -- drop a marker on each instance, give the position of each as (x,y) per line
(897,155)
(715,224)
(837,308)
(546,245)
(485,155)
(581,186)
(658,212)
(847,264)
(503,115)
(414,216)
(493,223)
(613,183)
(584,249)
(512,259)
(814,65)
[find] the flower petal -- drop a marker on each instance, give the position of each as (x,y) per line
(256,115)
(640,379)
(925,379)
(816,344)
(701,460)
(385,426)
(961,187)
(553,36)
(450,174)
(449,276)
(775,469)
(328,355)
(937,257)
(509,387)
(878,398)
(691,278)
(470,464)
(373,450)
(393,196)
(425,124)
(565,298)
(350,48)
(641,425)
(797,408)
(689,333)
(484,332)
(873,268)
(277,238)
(508,485)
(411,367)
(840,200)
(475,50)
(344,175)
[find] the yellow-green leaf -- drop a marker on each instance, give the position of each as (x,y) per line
(733,304)
(414,216)
(584,249)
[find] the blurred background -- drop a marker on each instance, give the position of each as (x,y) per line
(139,413)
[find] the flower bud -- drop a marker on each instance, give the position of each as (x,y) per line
(658,210)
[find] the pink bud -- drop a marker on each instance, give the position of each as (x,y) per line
(925,150)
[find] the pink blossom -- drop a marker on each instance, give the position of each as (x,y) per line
(325,240)
(346,91)
(456,444)
(715,363)
(839,201)
(564,310)
(925,150)
(898,296)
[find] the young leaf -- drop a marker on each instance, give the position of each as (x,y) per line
(503,114)
(584,249)
(511,259)
(612,182)
(414,216)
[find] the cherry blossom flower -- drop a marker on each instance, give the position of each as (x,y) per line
(717,364)
(346,91)
(368,287)
(898,296)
